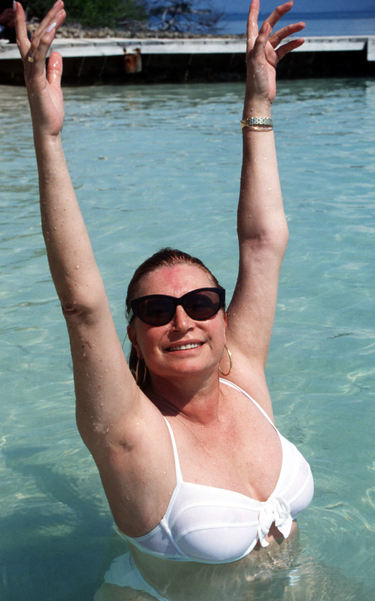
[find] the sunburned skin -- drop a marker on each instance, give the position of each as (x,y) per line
(194,345)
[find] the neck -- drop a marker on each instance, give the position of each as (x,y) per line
(196,399)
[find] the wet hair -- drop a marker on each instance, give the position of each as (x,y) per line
(166,257)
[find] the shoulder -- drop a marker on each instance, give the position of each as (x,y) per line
(248,377)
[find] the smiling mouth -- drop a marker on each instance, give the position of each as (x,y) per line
(184,347)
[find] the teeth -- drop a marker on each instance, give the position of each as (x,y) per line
(185,347)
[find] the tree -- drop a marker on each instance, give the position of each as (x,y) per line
(92,13)
(189,15)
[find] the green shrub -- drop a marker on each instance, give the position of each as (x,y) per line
(92,13)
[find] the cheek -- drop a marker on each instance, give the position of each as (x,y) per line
(137,338)
(219,329)
(147,342)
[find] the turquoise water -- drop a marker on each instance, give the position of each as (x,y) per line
(160,165)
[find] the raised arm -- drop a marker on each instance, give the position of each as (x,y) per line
(124,431)
(262,227)
(105,388)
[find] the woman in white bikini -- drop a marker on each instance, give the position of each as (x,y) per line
(194,469)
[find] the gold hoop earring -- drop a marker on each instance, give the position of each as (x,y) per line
(137,373)
(230,362)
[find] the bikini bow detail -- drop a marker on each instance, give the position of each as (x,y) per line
(274,510)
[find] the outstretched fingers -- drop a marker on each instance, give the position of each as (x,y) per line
(34,53)
(285,32)
(276,38)
(43,36)
(279,12)
(279,36)
(52,21)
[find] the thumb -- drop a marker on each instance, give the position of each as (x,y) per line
(55,68)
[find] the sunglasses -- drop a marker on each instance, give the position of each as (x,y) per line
(159,309)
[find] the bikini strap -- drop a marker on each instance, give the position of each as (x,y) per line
(175,453)
(233,385)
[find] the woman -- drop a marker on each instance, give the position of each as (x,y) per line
(194,469)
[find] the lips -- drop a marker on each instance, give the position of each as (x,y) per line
(184,347)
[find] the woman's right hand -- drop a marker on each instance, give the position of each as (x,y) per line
(43,85)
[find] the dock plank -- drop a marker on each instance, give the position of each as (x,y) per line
(115,46)
(105,60)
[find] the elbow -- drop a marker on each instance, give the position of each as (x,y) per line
(274,237)
(82,306)
(278,240)
(73,307)
(70,308)
(271,226)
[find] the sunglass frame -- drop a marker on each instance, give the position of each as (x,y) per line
(134,304)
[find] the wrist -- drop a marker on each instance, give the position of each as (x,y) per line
(46,138)
(254,108)
(47,146)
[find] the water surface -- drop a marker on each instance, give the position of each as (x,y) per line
(157,166)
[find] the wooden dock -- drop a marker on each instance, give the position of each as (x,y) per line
(148,60)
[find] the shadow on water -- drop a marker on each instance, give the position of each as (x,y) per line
(53,553)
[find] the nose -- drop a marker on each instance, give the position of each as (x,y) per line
(181,320)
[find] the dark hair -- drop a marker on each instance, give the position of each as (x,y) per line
(166,257)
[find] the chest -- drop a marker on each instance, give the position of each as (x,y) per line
(242,453)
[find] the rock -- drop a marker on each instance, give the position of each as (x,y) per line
(128,29)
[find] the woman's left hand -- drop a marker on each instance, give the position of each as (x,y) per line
(263,52)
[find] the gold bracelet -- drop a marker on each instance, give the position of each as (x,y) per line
(258,123)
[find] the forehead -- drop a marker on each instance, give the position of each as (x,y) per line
(174,281)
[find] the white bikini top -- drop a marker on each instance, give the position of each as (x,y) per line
(214,525)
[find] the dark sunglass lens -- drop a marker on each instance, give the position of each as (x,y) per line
(202,305)
(156,311)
